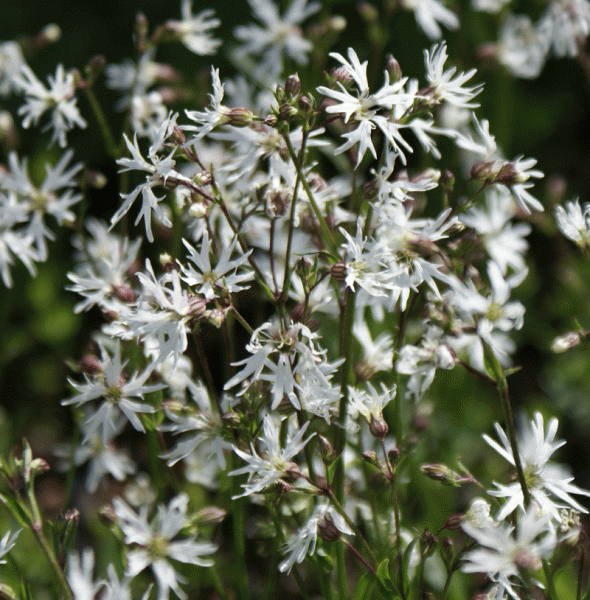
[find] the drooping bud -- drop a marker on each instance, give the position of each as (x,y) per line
(328,530)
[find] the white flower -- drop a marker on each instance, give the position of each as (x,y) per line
(503,555)
(223,279)
(522,47)
(564,23)
(549,484)
(104,457)
(303,543)
(162,314)
(158,544)
(442,85)
(280,36)
(11,62)
(195,30)
(370,404)
(574,222)
(158,169)
(503,240)
(429,13)
(80,575)
(291,356)
(421,361)
(59,98)
(275,459)
(116,392)
(7,544)
(46,199)
(363,108)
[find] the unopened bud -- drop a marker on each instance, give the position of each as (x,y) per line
(342,75)
(232,418)
(428,543)
(270,121)
(327,529)
(240,116)
(565,342)
(177,136)
(210,515)
(198,306)
(441,473)
(287,111)
(447,181)
(293,472)
(368,12)
(124,293)
(95,179)
(378,427)
(447,549)
(48,35)
(94,68)
(371,457)
(304,103)
(480,171)
(90,364)
(198,210)
(393,68)
(292,85)
(141,31)
(338,271)
(325,446)
(393,455)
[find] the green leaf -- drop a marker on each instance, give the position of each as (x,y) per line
(384,582)
(364,588)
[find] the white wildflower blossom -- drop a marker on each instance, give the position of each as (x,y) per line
(60,99)
(280,36)
(156,543)
(303,543)
(549,484)
(195,30)
(116,393)
(505,554)
(429,13)
(274,459)
(574,222)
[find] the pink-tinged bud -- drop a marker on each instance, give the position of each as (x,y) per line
(292,85)
(338,271)
(95,179)
(48,35)
(177,136)
(124,293)
(393,455)
(293,472)
(8,131)
(487,52)
(342,75)
(240,117)
(326,446)
(393,68)
(270,121)
(286,112)
(482,170)
(198,306)
(371,457)
(453,523)
(305,104)
(565,342)
(327,530)
(210,515)
(90,364)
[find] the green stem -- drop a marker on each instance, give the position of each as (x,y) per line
(509,419)
(326,233)
(354,527)
(239,531)
(36,526)
(107,136)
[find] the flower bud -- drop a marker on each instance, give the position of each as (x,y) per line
(304,103)
(393,68)
(240,117)
(90,364)
(565,342)
(95,179)
(124,293)
(338,271)
(327,530)
(210,515)
(378,427)
(198,210)
(292,85)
